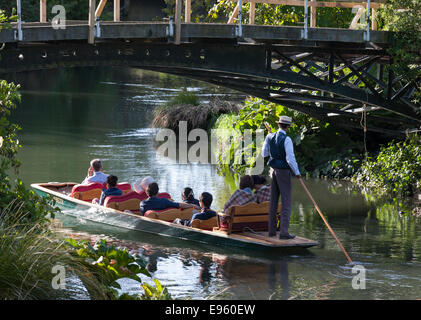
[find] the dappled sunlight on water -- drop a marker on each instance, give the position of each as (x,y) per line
(108,115)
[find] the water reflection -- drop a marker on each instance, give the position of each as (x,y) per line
(70,117)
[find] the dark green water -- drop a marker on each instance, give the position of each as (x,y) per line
(70,117)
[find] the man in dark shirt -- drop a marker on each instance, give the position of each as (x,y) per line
(155,203)
(112,189)
(205,213)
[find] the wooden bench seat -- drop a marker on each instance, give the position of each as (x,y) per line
(129,201)
(252,215)
(170,215)
(208,224)
(87,192)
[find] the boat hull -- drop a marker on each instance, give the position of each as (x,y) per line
(107,216)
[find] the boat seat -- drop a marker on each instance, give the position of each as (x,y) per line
(208,224)
(170,214)
(160,195)
(125,187)
(251,215)
(87,192)
(129,201)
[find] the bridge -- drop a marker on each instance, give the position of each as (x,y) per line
(338,75)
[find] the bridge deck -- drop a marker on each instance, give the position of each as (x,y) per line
(79,30)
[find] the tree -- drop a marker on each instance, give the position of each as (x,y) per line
(405,48)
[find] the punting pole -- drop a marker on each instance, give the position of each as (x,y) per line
(320,212)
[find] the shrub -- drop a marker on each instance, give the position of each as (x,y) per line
(395,170)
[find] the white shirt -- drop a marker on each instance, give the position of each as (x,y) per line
(289,150)
(98,176)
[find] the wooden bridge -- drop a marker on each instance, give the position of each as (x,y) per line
(338,75)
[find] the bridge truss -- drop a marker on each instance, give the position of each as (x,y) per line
(335,82)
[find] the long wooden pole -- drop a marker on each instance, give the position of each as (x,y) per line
(100,8)
(319,211)
(325,221)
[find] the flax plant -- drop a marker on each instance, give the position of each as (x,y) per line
(28,253)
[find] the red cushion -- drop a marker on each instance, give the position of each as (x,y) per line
(87,187)
(164,195)
(125,197)
(160,195)
(124,186)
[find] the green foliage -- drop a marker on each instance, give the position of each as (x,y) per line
(403,17)
(155,293)
(109,264)
(38,208)
(199,9)
(75,9)
(320,150)
(28,253)
(183,97)
(270,14)
(396,170)
(5,19)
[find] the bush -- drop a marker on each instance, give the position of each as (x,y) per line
(38,208)
(319,149)
(396,170)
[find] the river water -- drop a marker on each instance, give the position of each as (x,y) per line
(72,116)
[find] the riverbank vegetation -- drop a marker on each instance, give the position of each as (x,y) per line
(395,170)
(30,249)
(321,149)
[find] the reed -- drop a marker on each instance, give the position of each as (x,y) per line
(28,253)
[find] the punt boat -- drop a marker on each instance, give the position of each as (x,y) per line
(246,239)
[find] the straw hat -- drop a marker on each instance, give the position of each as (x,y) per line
(285,120)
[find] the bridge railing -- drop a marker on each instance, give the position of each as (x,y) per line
(362,6)
(369,6)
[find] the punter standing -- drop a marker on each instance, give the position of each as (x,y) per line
(278,147)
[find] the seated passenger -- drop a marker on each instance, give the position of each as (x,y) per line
(188,196)
(95,173)
(262,192)
(243,195)
(155,203)
(111,190)
(141,184)
(205,213)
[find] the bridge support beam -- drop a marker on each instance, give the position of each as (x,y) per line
(187,11)
(92,7)
(178,9)
(116,10)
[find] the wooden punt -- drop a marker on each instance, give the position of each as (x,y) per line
(100,214)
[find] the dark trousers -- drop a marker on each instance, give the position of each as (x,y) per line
(280,186)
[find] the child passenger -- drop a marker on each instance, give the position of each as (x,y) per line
(111,190)
(188,196)
(205,213)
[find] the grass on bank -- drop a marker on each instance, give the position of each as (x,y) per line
(30,250)
(186,107)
